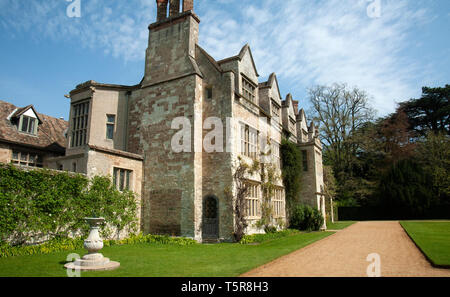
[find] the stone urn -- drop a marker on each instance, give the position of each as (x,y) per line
(94,243)
(93,260)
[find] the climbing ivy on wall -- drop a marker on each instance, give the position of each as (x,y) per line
(269,178)
(241,187)
(43,204)
(292,169)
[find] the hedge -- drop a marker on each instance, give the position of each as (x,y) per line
(41,204)
(393,213)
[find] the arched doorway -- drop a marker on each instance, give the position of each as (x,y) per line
(210,228)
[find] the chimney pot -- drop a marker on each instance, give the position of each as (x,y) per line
(188,5)
(174,9)
(161,10)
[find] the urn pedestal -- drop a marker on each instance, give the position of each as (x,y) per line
(93,261)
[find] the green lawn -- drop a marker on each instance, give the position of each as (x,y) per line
(433,238)
(157,260)
(339,225)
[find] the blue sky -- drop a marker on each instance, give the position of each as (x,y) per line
(44,54)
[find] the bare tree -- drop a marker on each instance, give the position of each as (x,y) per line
(340,111)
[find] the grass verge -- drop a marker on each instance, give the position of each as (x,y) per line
(159,260)
(339,225)
(433,239)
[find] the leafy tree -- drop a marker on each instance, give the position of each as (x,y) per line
(342,112)
(330,190)
(433,153)
(406,184)
(429,113)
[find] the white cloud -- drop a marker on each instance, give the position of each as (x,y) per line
(308,43)
(305,42)
(115,26)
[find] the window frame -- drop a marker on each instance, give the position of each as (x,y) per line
(122,178)
(80,120)
(276,110)
(31,124)
(253,201)
(37,160)
(278,203)
(209,94)
(248,89)
(110,124)
(305,160)
(276,153)
(249,141)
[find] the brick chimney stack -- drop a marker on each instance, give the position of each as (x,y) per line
(188,5)
(295,103)
(161,10)
(174,9)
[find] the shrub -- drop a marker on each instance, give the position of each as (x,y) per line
(258,238)
(270,229)
(71,244)
(306,218)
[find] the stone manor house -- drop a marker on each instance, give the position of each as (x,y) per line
(126,132)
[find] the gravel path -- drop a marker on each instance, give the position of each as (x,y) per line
(344,254)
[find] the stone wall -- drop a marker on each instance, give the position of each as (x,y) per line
(109,102)
(216,165)
(5,153)
(152,111)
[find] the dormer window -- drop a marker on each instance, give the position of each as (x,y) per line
(28,125)
(26,120)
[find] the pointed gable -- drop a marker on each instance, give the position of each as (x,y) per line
(272,83)
(27,111)
(244,63)
(246,56)
(301,119)
(289,105)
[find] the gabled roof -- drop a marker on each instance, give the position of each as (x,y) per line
(288,101)
(21,111)
(210,59)
(301,115)
(240,56)
(269,83)
(289,104)
(50,132)
(312,127)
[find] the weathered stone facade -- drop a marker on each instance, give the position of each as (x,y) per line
(132,128)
